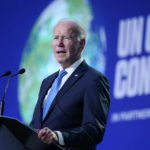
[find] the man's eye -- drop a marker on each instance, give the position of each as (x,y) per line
(55,37)
(67,37)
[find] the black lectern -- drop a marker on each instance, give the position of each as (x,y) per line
(18,136)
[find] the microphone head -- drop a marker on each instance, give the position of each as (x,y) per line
(7,73)
(21,71)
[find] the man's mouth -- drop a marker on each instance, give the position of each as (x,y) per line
(61,52)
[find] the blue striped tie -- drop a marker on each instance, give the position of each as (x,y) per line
(53,92)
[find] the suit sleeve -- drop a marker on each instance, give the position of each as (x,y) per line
(95,110)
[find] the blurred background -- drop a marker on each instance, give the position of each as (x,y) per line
(118,44)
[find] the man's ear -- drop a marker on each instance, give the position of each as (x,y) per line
(82,44)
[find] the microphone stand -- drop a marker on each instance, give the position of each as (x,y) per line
(2,101)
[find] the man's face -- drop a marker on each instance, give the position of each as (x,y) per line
(66,47)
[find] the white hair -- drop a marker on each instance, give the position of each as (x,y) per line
(81,33)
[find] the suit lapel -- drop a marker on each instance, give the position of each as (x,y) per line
(76,75)
(47,84)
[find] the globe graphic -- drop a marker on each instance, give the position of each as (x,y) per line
(38,58)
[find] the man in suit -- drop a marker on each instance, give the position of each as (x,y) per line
(77,114)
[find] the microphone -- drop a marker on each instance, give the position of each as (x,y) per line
(21,71)
(7,73)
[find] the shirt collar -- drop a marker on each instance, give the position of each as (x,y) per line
(71,68)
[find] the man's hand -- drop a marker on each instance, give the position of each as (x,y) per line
(47,136)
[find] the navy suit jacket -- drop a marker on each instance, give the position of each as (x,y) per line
(79,110)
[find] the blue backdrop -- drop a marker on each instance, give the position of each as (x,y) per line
(124,30)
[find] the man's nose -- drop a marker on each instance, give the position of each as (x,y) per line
(60,42)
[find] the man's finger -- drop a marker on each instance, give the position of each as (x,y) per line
(41,133)
(47,136)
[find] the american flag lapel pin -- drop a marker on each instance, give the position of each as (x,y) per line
(76,75)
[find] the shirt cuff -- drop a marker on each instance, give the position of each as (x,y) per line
(60,138)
